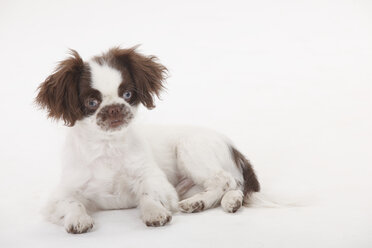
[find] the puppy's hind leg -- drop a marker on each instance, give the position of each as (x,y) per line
(232,201)
(214,188)
(201,160)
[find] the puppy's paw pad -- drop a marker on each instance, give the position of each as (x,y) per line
(231,203)
(190,206)
(233,206)
(156,218)
(159,222)
(79,224)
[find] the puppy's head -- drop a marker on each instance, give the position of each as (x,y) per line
(103,92)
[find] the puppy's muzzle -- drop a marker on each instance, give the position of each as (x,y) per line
(114,116)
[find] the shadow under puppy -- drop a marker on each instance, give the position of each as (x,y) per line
(111,163)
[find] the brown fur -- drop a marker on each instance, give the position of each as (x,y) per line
(142,74)
(59,93)
(67,91)
(251,183)
(104,117)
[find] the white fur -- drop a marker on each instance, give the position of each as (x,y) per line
(105,78)
(139,166)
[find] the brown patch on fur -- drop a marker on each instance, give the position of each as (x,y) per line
(193,207)
(59,92)
(251,183)
(198,206)
(65,93)
(77,230)
(157,223)
(105,117)
(142,75)
(236,206)
(86,93)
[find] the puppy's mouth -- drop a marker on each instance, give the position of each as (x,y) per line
(116,123)
(114,117)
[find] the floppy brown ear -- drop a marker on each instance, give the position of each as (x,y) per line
(59,93)
(147,74)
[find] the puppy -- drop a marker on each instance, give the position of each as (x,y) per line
(111,163)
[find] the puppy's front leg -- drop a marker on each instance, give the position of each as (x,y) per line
(157,199)
(70,213)
(153,212)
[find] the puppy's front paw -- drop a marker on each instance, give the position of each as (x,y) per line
(156,217)
(77,224)
(192,205)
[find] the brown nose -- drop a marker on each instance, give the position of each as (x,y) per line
(114,110)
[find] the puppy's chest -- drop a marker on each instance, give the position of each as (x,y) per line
(110,184)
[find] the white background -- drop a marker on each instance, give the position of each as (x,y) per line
(289,81)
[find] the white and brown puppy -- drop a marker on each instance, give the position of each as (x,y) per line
(111,163)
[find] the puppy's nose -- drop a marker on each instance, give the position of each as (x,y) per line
(114,110)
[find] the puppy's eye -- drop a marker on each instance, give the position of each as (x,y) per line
(127,95)
(92,103)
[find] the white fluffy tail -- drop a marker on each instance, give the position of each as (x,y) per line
(264,200)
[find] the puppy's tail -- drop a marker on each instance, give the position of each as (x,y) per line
(251,183)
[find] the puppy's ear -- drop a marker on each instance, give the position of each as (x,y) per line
(148,75)
(59,93)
